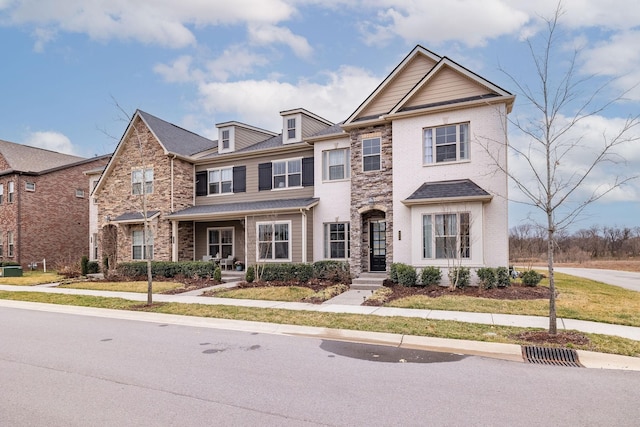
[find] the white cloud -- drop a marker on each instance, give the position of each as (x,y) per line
(270,34)
(50,140)
(258,102)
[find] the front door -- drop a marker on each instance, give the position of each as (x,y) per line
(377,246)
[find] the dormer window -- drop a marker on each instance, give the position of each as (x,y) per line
(291,128)
(225,140)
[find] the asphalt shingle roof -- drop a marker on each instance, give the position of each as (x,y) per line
(448,189)
(24,158)
(264,205)
(134,216)
(176,139)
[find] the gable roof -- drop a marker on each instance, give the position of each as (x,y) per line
(174,139)
(33,160)
(447,191)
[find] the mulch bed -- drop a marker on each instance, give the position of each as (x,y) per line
(513,292)
(561,338)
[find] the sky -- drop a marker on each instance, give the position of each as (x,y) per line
(72,70)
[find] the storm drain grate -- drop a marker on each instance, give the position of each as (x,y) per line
(551,356)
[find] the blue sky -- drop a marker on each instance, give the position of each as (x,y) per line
(196,63)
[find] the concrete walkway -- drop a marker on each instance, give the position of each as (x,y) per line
(349,302)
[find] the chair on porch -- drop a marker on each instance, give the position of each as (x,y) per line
(207,257)
(227,262)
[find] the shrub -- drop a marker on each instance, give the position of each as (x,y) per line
(287,271)
(407,275)
(250,275)
(459,277)
(93,267)
(430,276)
(487,276)
(217,274)
(393,272)
(9,264)
(84,265)
(334,271)
(503,277)
(530,278)
(167,269)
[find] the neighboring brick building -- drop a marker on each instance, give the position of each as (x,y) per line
(44,205)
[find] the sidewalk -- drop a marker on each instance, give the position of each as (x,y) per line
(349,302)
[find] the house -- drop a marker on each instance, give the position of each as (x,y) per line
(44,205)
(410,176)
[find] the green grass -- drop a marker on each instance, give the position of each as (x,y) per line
(31,278)
(137,286)
(578,298)
(271,293)
(398,325)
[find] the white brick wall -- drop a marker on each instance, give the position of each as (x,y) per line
(489,236)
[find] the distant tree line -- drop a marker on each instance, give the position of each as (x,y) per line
(529,243)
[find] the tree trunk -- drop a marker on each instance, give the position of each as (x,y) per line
(553,324)
(149,283)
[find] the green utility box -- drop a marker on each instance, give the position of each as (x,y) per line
(11,271)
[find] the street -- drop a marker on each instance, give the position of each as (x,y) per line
(74,370)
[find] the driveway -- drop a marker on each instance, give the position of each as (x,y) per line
(624,279)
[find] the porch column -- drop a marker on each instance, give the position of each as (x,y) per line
(174,241)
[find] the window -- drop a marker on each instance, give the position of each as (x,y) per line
(80,193)
(139,249)
(335,164)
(1,193)
(220,181)
(10,243)
(446,143)
(1,245)
(371,154)
(336,240)
(273,241)
(140,178)
(30,186)
(95,246)
(446,236)
(291,128)
(287,173)
(220,242)
(225,140)
(10,188)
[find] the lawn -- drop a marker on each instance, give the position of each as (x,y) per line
(578,298)
(396,324)
(135,286)
(271,293)
(31,278)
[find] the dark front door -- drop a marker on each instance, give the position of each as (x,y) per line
(377,246)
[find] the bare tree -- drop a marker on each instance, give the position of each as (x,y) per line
(561,101)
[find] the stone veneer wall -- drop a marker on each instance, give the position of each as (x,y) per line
(376,186)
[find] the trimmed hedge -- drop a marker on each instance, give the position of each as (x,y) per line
(335,271)
(503,277)
(487,276)
(430,276)
(284,272)
(9,264)
(463,274)
(167,269)
(403,274)
(530,278)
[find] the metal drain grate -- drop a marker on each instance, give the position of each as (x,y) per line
(551,356)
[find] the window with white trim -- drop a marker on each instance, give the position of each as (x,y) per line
(446,143)
(11,191)
(30,186)
(9,243)
(142,178)
(287,173)
(446,236)
(139,248)
(291,128)
(220,242)
(336,240)
(226,140)
(336,164)
(273,242)
(220,181)
(371,154)
(1,193)
(80,193)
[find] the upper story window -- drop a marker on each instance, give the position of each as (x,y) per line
(336,164)
(142,178)
(291,128)
(446,236)
(11,191)
(371,154)
(446,143)
(287,173)
(221,181)
(80,193)
(30,186)
(1,193)
(226,141)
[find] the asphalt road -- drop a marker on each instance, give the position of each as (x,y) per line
(624,279)
(73,370)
